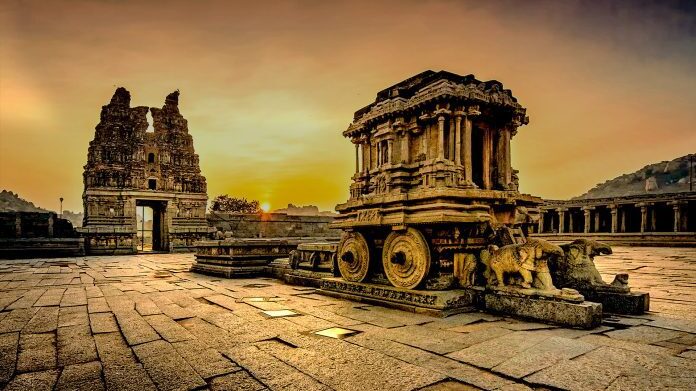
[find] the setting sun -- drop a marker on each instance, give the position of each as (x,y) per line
(266,207)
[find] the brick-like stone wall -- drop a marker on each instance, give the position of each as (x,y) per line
(271,225)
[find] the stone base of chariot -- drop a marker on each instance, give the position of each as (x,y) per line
(631,303)
(281,269)
(435,303)
(562,307)
(565,307)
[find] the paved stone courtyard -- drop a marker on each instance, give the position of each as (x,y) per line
(144,322)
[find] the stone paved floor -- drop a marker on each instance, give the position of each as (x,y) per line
(144,322)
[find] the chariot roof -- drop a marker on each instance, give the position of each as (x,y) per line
(429,86)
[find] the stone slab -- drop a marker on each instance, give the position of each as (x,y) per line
(437,303)
(585,315)
(227,271)
(633,303)
(305,277)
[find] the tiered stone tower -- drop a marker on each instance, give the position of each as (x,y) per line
(127,166)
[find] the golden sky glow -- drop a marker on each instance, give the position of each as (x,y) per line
(267,89)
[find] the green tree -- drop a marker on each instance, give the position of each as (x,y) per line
(225,203)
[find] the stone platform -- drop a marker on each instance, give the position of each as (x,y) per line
(144,322)
(584,315)
(543,308)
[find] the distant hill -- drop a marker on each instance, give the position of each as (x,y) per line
(11,202)
(658,178)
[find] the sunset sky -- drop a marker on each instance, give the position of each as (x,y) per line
(268,88)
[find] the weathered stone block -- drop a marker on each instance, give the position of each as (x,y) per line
(584,315)
(632,303)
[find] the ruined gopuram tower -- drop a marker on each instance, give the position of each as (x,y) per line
(433,183)
(129,167)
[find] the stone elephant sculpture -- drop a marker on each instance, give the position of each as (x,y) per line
(528,260)
(576,269)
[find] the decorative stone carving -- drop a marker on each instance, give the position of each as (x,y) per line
(406,258)
(529,260)
(576,269)
(353,257)
(314,256)
(465,268)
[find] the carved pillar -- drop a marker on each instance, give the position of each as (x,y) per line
(596,220)
(643,217)
(677,217)
(614,218)
(561,220)
(588,214)
(486,157)
(405,147)
(357,158)
(441,137)
(365,146)
(451,140)
(390,151)
(380,154)
(541,222)
(508,159)
(458,142)
(503,158)
(468,125)
(570,221)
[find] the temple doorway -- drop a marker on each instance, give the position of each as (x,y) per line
(149,226)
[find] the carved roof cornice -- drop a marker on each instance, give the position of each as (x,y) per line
(441,85)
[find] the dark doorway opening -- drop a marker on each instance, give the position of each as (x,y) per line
(150,227)
(152,184)
(477,156)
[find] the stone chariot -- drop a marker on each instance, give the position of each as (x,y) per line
(433,182)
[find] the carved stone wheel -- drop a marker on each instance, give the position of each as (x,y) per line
(353,257)
(406,258)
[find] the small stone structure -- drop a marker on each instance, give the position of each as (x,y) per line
(652,219)
(243,257)
(37,235)
(129,167)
